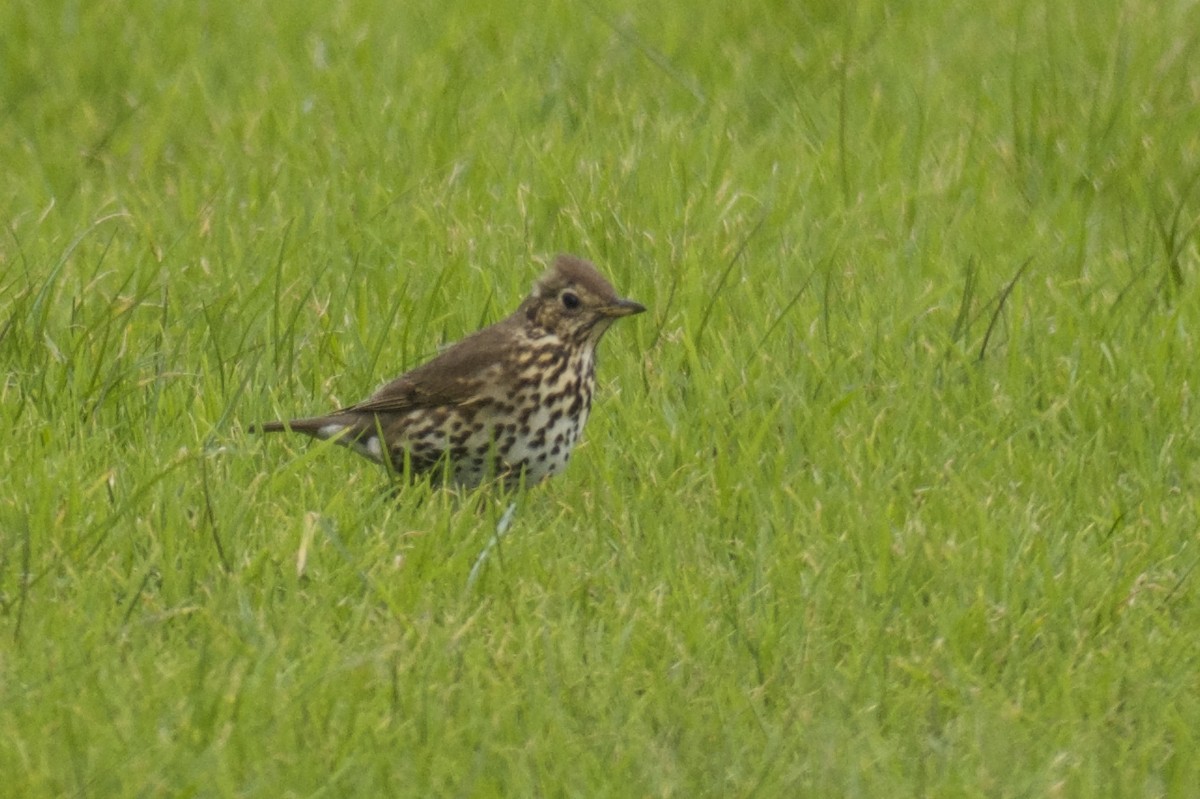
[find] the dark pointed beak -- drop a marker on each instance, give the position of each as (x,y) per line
(624,308)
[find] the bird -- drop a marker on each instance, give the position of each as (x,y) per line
(506,403)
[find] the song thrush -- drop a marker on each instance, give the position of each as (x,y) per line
(507,401)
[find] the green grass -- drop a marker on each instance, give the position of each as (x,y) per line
(894,492)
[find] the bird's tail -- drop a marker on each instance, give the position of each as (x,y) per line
(311,426)
(347,432)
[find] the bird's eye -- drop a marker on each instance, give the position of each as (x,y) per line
(570,300)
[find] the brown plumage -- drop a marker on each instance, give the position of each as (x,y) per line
(507,401)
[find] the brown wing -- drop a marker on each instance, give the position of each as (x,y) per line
(455,377)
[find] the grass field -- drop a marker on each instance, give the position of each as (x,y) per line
(895,491)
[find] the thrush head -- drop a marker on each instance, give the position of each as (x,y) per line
(574,302)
